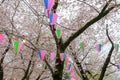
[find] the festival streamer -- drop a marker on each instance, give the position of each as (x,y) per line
(53,18)
(48,5)
(117,46)
(118,66)
(78,77)
(39,53)
(83,45)
(81,78)
(59,33)
(99,47)
(66,61)
(73,75)
(62,56)
(20,45)
(50,2)
(52,56)
(42,54)
(1,37)
(71,70)
(68,78)
(69,66)
(16,44)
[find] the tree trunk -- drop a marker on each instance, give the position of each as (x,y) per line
(1,72)
(58,73)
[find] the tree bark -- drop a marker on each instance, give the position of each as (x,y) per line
(58,73)
(1,72)
(107,61)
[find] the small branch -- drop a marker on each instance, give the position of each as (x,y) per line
(31,8)
(2,2)
(107,61)
(84,76)
(106,5)
(50,68)
(39,76)
(89,5)
(88,24)
(54,8)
